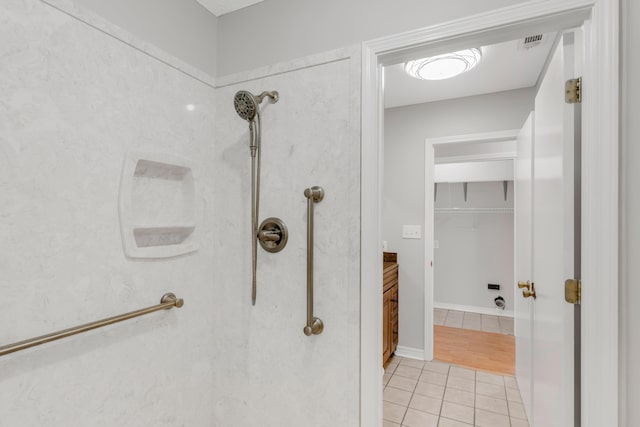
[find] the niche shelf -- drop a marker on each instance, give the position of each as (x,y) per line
(157,206)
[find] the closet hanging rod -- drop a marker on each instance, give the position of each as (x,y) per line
(167,302)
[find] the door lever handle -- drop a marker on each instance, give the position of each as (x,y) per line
(529,289)
(526,285)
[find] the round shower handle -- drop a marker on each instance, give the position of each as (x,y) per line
(273,235)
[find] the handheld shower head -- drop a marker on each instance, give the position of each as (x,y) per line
(246,103)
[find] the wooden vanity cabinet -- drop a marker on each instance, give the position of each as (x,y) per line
(389,310)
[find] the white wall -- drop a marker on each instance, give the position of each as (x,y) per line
(474,248)
(406,129)
(73,102)
(630,232)
(268,372)
(183,28)
(278,30)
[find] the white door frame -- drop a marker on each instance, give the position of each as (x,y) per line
(429,167)
(600,202)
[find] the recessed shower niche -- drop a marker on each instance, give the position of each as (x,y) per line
(157,206)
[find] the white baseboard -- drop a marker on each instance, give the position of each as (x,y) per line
(410,353)
(473,309)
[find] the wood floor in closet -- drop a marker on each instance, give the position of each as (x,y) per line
(479,350)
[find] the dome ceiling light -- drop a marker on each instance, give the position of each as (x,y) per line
(444,66)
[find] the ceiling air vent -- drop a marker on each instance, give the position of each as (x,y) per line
(532,41)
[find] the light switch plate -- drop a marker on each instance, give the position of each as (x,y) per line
(411,232)
(436,244)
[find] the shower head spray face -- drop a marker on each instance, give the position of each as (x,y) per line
(246,105)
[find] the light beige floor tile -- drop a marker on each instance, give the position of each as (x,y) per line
(408,372)
(439,367)
(457,412)
(511,382)
(455,314)
(433,378)
(491,404)
(454,319)
(506,325)
(491,419)
(489,317)
(490,323)
(425,404)
(386,423)
(453,323)
(492,390)
(459,396)
(439,320)
(474,325)
(457,371)
(391,368)
(392,412)
(513,395)
(397,396)
(412,363)
(385,378)
(394,360)
(472,316)
(439,316)
(485,377)
(472,321)
(415,418)
(402,383)
(516,410)
(431,390)
(515,422)
(461,384)
(446,422)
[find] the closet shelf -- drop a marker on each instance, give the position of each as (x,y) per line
(473,210)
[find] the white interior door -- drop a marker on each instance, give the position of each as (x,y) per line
(545,247)
(523,257)
(553,245)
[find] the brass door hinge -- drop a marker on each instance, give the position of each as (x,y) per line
(573,291)
(573,91)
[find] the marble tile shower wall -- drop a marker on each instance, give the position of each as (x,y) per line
(73,102)
(268,372)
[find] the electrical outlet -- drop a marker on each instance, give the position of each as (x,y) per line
(411,232)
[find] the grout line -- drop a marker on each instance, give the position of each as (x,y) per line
(445,388)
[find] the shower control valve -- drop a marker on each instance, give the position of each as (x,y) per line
(273,235)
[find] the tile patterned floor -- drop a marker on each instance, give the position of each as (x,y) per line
(434,394)
(475,321)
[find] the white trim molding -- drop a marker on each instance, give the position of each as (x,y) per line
(600,199)
(410,353)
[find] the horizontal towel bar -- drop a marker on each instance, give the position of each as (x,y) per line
(167,302)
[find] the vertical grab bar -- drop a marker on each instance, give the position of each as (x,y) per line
(314,324)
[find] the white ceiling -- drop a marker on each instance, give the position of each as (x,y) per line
(220,7)
(504,66)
